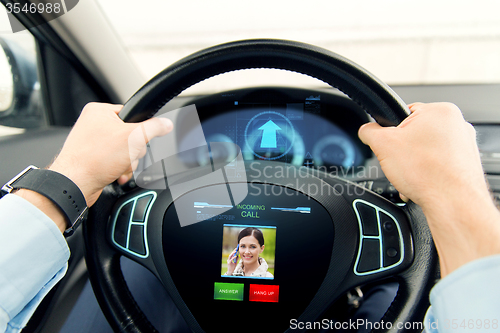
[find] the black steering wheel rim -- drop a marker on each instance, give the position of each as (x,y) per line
(377,98)
(361,86)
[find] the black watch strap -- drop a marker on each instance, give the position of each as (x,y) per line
(58,188)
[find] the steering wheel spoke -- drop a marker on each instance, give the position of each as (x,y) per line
(382,246)
(129,223)
(385,245)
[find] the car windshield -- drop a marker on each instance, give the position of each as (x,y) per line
(402,42)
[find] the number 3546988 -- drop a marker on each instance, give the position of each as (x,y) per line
(40,8)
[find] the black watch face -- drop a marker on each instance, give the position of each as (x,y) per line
(266,256)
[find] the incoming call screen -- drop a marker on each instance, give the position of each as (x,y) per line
(248,251)
(248,255)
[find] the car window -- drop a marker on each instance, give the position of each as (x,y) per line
(21,106)
(401,42)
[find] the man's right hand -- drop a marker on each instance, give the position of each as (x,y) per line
(432,158)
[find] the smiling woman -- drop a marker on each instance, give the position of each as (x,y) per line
(248,259)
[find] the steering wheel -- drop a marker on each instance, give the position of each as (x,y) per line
(355,235)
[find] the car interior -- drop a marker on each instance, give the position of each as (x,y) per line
(266,150)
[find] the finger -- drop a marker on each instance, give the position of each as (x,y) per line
(127,175)
(156,127)
(414,106)
(124,178)
(142,134)
(368,132)
(143,152)
(134,165)
(404,198)
(471,130)
(116,108)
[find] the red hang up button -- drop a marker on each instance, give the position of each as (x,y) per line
(264,293)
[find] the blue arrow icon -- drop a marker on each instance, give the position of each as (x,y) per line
(269,134)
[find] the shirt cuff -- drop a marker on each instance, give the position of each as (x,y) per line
(34,256)
(17,323)
(467,298)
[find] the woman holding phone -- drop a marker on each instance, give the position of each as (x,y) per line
(250,246)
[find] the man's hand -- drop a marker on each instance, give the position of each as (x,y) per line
(96,151)
(432,158)
(433,146)
(99,150)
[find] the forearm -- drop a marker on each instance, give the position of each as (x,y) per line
(464,229)
(46,206)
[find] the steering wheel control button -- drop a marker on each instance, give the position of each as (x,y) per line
(136,239)
(391,253)
(390,240)
(122,225)
(140,208)
(388,226)
(369,259)
(129,228)
(368,217)
(228,291)
(264,293)
(377,252)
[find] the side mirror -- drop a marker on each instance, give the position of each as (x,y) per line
(19,87)
(6,84)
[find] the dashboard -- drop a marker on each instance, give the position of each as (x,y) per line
(311,128)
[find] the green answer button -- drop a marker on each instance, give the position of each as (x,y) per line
(229,291)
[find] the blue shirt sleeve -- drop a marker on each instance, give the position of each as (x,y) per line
(33,259)
(467,300)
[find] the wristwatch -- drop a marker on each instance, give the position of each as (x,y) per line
(58,188)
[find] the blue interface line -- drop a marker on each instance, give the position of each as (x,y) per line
(303,210)
(248,277)
(249,225)
(207,205)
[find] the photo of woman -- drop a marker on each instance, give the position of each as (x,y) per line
(246,258)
